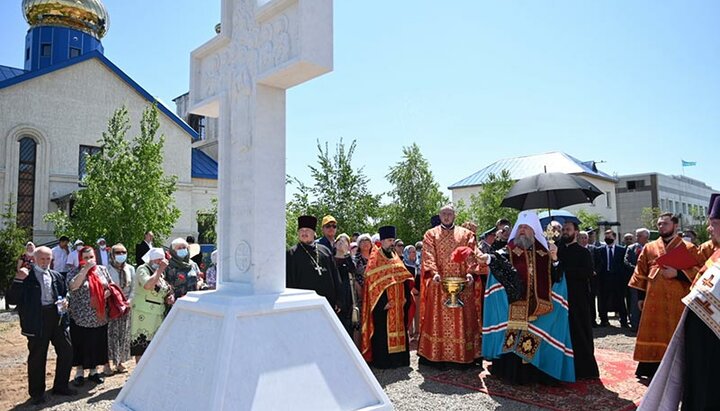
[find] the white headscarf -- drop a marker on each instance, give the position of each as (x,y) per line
(153,254)
(531,219)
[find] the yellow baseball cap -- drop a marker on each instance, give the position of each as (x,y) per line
(328,219)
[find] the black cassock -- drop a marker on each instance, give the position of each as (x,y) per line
(702,361)
(381,357)
(301,272)
(576,262)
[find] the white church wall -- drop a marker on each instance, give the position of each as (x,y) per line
(71,107)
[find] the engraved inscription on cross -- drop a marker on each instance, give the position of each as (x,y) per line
(240,76)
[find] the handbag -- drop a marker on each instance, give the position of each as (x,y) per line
(118,303)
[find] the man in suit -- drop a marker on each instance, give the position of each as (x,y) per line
(143,247)
(42,321)
(612,279)
(631,257)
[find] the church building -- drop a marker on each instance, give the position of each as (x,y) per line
(54,110)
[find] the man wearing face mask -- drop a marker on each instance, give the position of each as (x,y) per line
(73,260)
(43,320)
(660,290)
(612,280)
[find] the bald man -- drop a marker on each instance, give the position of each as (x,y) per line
(42,321)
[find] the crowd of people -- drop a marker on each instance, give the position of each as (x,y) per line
(519,295)
(95,307)
(529,296)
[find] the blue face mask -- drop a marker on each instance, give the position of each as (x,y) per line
(154,266)
(182,253)
(120,258)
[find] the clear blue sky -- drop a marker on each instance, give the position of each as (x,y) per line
(635,84)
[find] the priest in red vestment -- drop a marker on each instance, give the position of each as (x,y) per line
(447,334)
(388,306)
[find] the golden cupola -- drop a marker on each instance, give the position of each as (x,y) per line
(89,16)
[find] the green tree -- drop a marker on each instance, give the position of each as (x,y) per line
(588,219)
(415,196)
(12,244)
(126,190)
(649,217)
(339,189)
(207,221)
(484,208)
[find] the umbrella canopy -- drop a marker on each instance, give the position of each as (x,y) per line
(551,191)
(560,216)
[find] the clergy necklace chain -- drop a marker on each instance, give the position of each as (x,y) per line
(316,261)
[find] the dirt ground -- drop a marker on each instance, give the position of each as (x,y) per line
(13,376)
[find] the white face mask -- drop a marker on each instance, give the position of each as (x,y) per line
(80,247)
(688,239)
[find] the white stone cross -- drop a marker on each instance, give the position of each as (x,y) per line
(240,76)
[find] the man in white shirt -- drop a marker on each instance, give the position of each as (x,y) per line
(102,256)
(60,255)
(73,260)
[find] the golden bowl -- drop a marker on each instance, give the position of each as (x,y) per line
(453,286)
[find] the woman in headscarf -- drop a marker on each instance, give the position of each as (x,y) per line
(182,273)
(122,274)
(151,295)
(88,289)
(26,260)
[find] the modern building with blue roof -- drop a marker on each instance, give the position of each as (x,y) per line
(55,109)
(520,167)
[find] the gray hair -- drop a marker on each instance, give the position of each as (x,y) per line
(644,231)
(42,250)
(583,234)
(448,206)
(178,241)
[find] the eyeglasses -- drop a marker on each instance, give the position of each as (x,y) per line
(399,245)
(331,226)
(120,252)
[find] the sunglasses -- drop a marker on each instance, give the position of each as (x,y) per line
(331,226)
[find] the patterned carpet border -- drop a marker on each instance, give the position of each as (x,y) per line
(616,390)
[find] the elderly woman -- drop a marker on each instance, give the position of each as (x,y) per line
(182,273)
(88,293)
(151,295)
(122,274)
(26,260)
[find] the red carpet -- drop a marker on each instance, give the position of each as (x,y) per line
(617,389)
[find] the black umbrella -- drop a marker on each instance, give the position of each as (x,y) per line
(550,190)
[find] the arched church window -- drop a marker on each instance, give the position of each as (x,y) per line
(26,182)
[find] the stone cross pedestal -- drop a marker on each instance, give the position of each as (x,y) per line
(252,344)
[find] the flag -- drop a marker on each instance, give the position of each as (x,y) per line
(688,163)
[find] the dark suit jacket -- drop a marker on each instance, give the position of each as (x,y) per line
(631,256)
(26,294)
(618,270)
(141,249)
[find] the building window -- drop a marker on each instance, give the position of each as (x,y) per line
(26,183)
(197,123)
(685,208)
(677,207)
(607,199)
(45,50)
(82,161)
(662,204)
(74,52)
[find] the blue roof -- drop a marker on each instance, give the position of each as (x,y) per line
(9,72)
(203,166)
(29,75)
(521,167)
